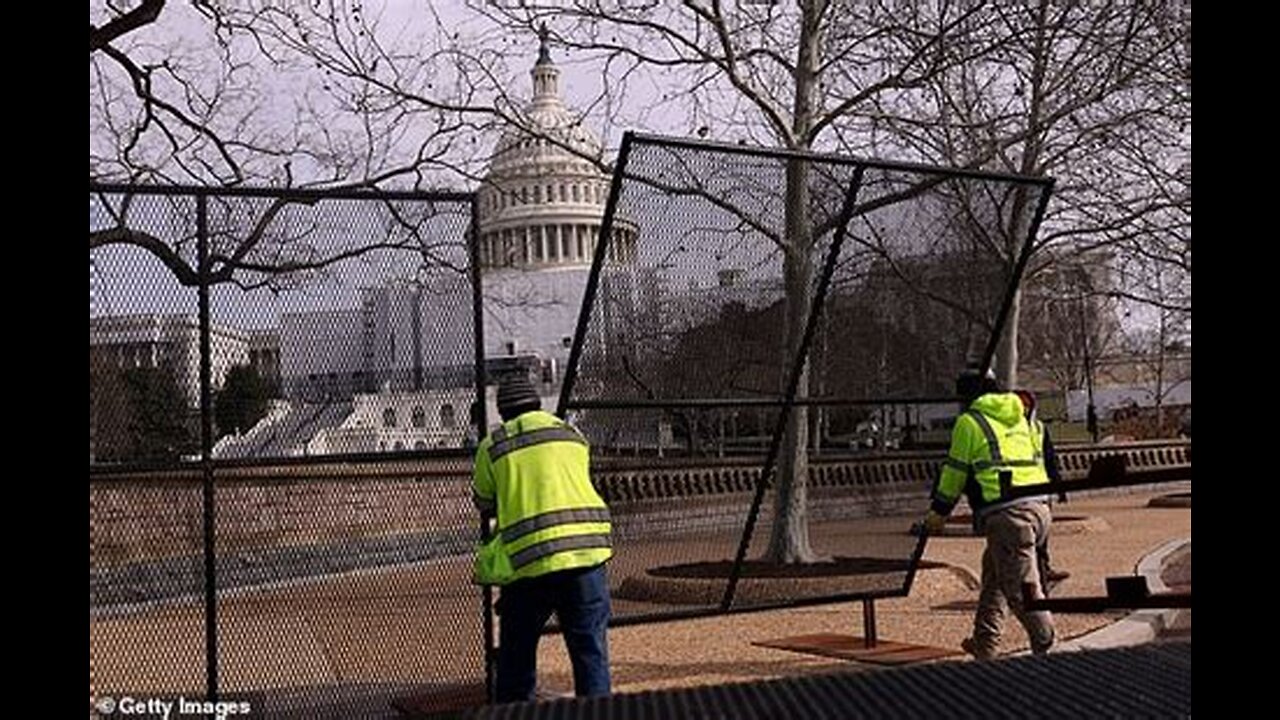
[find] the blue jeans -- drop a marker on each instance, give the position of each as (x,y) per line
(580,600)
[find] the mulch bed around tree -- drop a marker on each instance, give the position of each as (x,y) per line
(834,567)
(704,583)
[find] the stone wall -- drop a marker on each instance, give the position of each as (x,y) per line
(279,522)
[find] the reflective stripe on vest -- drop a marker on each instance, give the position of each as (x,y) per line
(553,518)
(989,433)
(997,459)
(556,545)
(987,464)
(482,502)
(503,445)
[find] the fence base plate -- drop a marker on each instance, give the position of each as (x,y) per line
(852,647)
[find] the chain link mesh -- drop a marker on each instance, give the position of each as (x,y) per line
(340,327)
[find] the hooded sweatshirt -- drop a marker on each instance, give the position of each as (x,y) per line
(991,452)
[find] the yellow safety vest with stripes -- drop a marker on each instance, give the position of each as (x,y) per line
(534,473)
(993,449)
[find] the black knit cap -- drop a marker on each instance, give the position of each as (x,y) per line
(516,395)
(975,380)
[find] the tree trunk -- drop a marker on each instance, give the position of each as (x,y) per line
(789,538)
(1007,350)
(1006,360)
(1160,389)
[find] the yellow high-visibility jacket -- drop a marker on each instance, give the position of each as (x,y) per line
(533,472)
(992,450)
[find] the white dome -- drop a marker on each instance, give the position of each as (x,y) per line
(554,129)
(549,135)
(543,198)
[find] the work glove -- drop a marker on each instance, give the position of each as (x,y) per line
(933,522)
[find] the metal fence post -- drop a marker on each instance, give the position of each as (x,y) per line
(206,453)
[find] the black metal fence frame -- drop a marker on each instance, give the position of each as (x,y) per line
(787,402)
(207,464)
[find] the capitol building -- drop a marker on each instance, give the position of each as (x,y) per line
(396,373)
(540,207)
(543,197)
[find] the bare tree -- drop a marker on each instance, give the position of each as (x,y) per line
(1069,324)
(272,242)
(212,93)
(430,90)
(1160,342)
(1097,95)
(766,74)
(195,92)
(974,84)
(163,108)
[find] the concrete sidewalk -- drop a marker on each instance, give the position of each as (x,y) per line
(1167,569)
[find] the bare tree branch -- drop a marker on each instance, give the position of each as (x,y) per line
(145,14)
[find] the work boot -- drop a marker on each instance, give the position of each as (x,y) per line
(1056,576)
(1051,579)
(1040,648)
(979,652)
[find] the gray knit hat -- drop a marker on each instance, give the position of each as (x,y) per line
(516,395)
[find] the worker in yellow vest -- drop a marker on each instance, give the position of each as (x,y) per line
(991,453)
(550,545)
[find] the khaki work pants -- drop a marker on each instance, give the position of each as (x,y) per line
(1009,562)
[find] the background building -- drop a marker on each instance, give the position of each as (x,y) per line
(170,342)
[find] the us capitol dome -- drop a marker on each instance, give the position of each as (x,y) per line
(543,198)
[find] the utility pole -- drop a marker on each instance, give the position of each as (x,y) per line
(1091,413)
